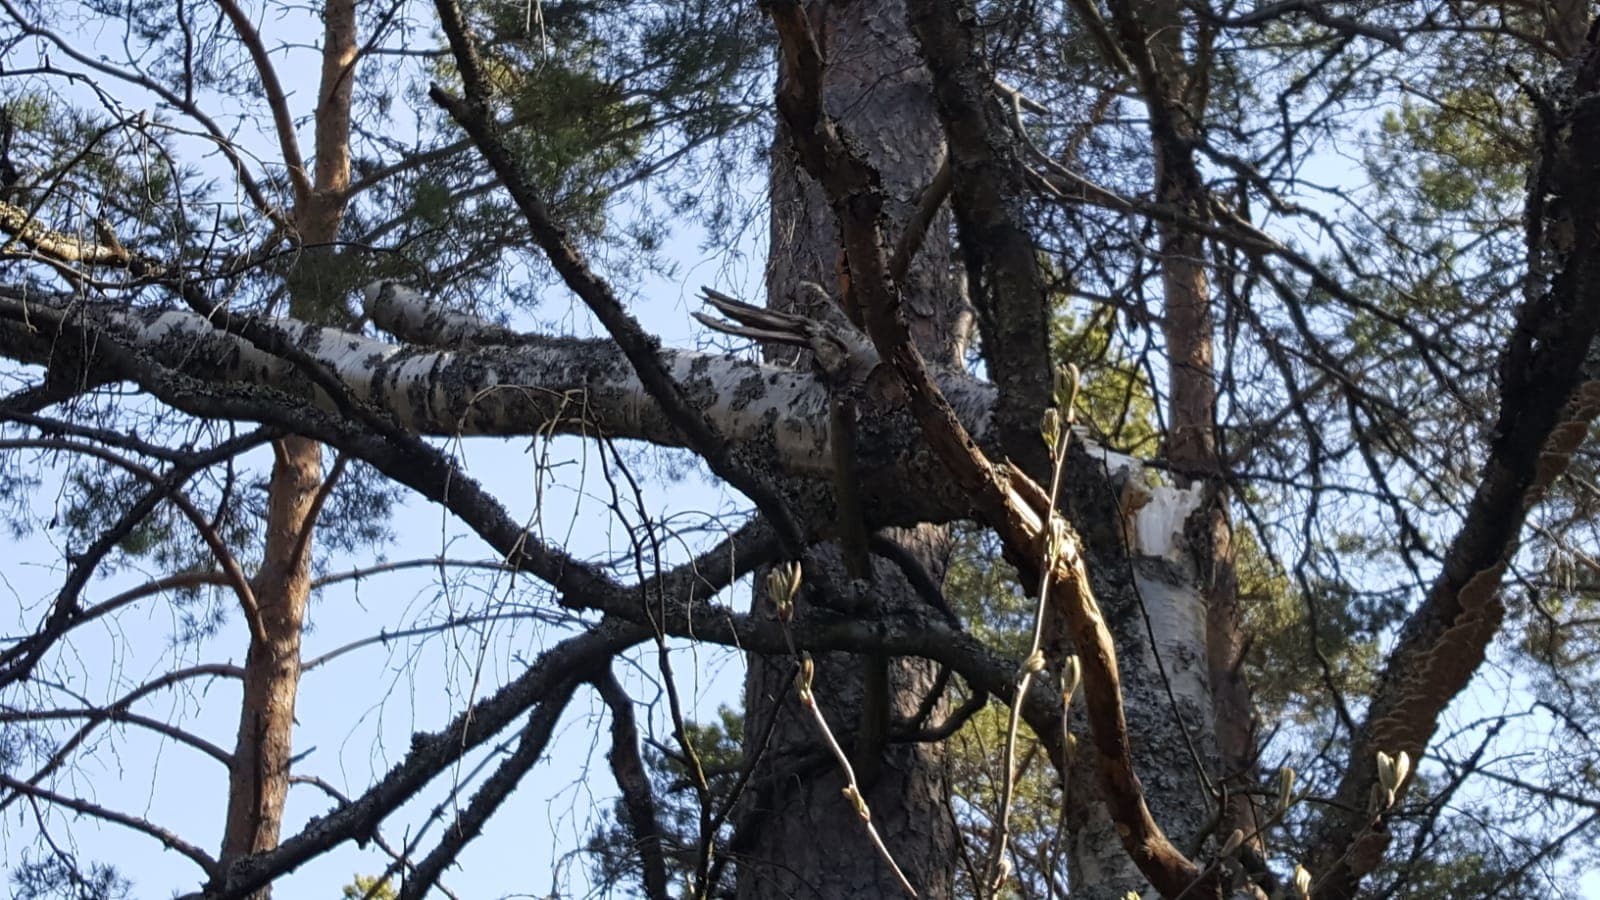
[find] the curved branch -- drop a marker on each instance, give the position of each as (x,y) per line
(641,349)
(186,105)
(117,711)
(638,798)
(168,839)
(18,662)
(431,754)
(282,122)
(170,492)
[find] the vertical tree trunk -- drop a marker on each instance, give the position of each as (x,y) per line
(1192,452)
(1185,583)
(1189,328)
(809,841)
(259,778)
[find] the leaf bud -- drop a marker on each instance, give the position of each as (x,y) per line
(802,680)
(1033,665)
(1066,390)
(1302,880)
(859,802)
(1050,428)
(1392,770)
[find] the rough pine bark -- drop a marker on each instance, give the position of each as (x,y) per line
(808,840)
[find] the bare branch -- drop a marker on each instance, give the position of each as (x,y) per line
(282,122)
(641,349)
(168,839)
(549,677)
(496,788)
(638,797)
(1547,405)
(1315,10)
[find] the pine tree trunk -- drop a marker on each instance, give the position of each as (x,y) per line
(808,840)
(258,783)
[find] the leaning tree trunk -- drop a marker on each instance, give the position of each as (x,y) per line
(258,782)
(807,839)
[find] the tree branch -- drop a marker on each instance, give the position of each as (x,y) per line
(1547,406)
(638,798)
(496,788)
(282,122)
(548,677)
(641,349)
(94,810)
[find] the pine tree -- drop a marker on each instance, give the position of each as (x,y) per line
(1170,426)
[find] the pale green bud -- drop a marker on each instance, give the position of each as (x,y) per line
(1302,880)
(1050,428)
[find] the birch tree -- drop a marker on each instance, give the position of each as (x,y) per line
(1133,497)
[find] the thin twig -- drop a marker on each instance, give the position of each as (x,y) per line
(852,790)
(1059,438)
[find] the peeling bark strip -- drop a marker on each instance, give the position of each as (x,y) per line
(1009,500)
(1547,404)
